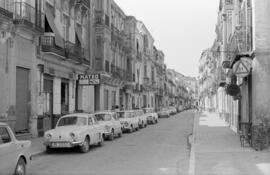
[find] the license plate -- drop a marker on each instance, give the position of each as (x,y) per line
(60,145)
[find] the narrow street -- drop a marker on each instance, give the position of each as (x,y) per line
(156,150)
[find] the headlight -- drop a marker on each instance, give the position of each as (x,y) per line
(126,123)
(48,136)
(73,136)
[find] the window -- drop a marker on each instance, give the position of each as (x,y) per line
(103,117)
(4,136)
(72,120)
(145,70)
(65,26)
(115,116)
(107,66)
(229,2)
(106,98)
(99,4)
(90,121)
(64,96)
(113,98)
(95,120)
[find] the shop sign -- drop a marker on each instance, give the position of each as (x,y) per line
(89,79)
(242,67)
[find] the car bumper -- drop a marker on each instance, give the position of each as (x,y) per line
(126,128)
(56,144)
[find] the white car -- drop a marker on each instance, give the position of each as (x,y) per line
(164,112)
(172,110)
(14,154)
(142,118)
(128,121)
(111,123)
(152,116)
(75,130)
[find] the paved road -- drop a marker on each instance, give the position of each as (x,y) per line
(156,150)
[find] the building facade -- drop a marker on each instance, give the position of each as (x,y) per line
(240,53)
(51,48)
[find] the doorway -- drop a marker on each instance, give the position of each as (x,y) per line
(22,100)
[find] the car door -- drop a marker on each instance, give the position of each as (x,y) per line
(134,119)
(8,151)
(91,130)
(116,122)
(98,129)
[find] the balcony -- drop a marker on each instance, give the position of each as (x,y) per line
(6,16)
(129,76)
(146,52)
(116,35)
(48,45)
(74,52)
(28,17)
(139,56)
(99,17)
(85,3)
(146,81)
(71,51)
(121,73)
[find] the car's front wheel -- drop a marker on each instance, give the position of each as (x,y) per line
(20,167)
(85,146)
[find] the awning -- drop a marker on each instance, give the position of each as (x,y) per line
(49,15)
(78,30)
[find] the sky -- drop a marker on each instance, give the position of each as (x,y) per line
(182,29)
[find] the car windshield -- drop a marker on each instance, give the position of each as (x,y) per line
(124,115)
(103,117)
(72,120)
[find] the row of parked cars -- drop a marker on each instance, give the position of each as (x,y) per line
(84,129)
(76,130)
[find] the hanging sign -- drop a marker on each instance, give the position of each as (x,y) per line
(242,67)
(89,79)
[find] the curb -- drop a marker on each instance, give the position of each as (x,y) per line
(191,170)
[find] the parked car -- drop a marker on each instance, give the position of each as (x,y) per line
(111,123)
(14,154)
(128,121)
(180,108)
(164,112)
(75,130)
(172,110)
(152,116)
(142,118)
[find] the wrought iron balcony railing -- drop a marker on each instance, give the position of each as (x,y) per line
(5,10)
(70,51)
(48,45)
(28,16)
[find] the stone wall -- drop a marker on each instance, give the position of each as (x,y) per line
(261,76)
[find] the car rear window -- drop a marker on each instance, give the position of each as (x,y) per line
(72,120)
(103,117)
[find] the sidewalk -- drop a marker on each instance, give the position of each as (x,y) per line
(217,150)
